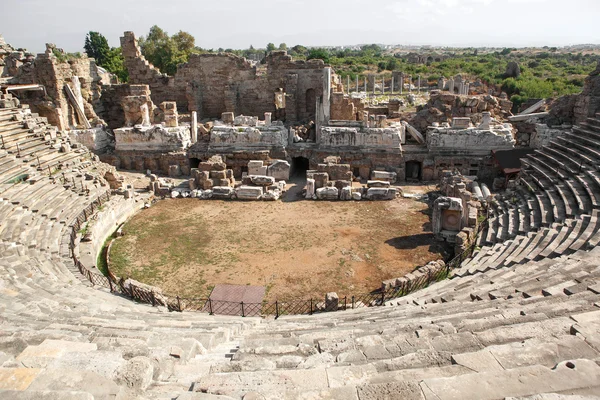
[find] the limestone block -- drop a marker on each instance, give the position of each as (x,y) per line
(381,193)
(342,184)
(222,192)
(227,117)
(223,182)
(136,373)
(279,169)
(243,120)
(202,176)
(346,193)
(254,167)
(206,194)
(379,184)
(356,196)
(153,138)
(327,193)
(249,192)
(207,184)
(310,188)
(321,178)
(218,175)
(261,180)
(174,171)
(331,301)
(384,176)
(272,195)
(461,122)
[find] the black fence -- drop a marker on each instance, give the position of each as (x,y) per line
(293,307)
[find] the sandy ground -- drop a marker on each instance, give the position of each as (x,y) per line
(295,249)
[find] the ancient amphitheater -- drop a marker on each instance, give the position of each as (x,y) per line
(520,318)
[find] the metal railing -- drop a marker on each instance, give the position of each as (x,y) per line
(278,308)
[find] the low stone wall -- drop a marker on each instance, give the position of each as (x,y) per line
(113,213)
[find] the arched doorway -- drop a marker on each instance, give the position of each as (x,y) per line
(413,170)
(194,162)
(299,167)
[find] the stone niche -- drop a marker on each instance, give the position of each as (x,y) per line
(447,219)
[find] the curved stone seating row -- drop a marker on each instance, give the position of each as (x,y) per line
(435,343)
(553,211)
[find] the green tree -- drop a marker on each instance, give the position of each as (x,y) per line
(166,52)
(270,47)
(116,64)
(318,54)
(96,47)
(282,46)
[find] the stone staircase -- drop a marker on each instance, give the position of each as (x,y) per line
(554,209)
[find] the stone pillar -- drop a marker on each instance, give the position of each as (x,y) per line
(365,84)
(194,127)
(485,191)
(392,85)
(383,85)
(170,112)
(451,85)
(487,119)
(310,189)
(410,84)
(467,89)
(348,85)
(401,82)
(356,83)
(267,119)
(145,115)
(419,84)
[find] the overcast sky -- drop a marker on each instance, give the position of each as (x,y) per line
(241,23)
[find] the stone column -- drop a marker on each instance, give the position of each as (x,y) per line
(383,85)
(410,84)
(348,81)
(419,84)
(392,85)
(451,85)
(194,127)
(467,89)
(267,119)
(356,83)
(401,83)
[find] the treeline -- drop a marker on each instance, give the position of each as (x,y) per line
(547,73)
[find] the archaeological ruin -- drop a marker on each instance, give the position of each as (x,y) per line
(513,313)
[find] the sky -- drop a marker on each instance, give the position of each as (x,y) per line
(240,23)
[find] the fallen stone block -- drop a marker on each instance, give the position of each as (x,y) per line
(249,192)
(279,169)
(356,196)
(262,180)
(383,176)
(382,193)
(346,193)
(378,184)
(328,193)
(222,192)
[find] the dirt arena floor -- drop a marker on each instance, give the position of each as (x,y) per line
(297,249)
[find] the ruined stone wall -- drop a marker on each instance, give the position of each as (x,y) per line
(211,84)
(142,72)
(587,103)
(112,95)
(143,161)
(344,108)
(53,74)
(443,106)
